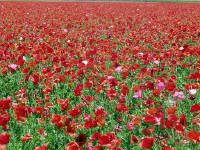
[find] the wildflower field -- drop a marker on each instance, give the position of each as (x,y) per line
(99,76)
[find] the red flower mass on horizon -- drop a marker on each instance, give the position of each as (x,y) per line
(92,74)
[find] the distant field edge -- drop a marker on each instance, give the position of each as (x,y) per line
(134,1)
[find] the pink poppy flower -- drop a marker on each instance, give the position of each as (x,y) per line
(160,86)
(192,91)
(138,94)
(118,69)
(156,62)
(179,95)
(13,67)
(130,126)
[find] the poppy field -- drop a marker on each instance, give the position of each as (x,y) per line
(99,76)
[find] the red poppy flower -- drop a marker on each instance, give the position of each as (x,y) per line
(26,138)
(42,132)
(156,92)
(96,136)
(193,76)
(122,108)
(134,140)
(112,93)
(171,110)
(148,131)
(36,79)
(104,140)
(64,105)
(43,147)
(75,112)
(114,143)
(194,136)
(137,121)
(78,90)
(4,138)
(183,120)
(168,148)
(23,112)
(147,143)
(5,103)
(56,118)
(152,111)
(88,84)
(125,74)
(113,82)
(173,77)
(149,102)
(100,121)
(81,139)
(58,70)
(150,85)
(171,86)
(4,70)
(71,130)
(195,108)
(72,146)
(26,70)
(100,111)
(62,79)
(179,128)
(125,89)
(149,119)
(4,120)
(90,123)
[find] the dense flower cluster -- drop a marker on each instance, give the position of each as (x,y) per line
(95,76)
